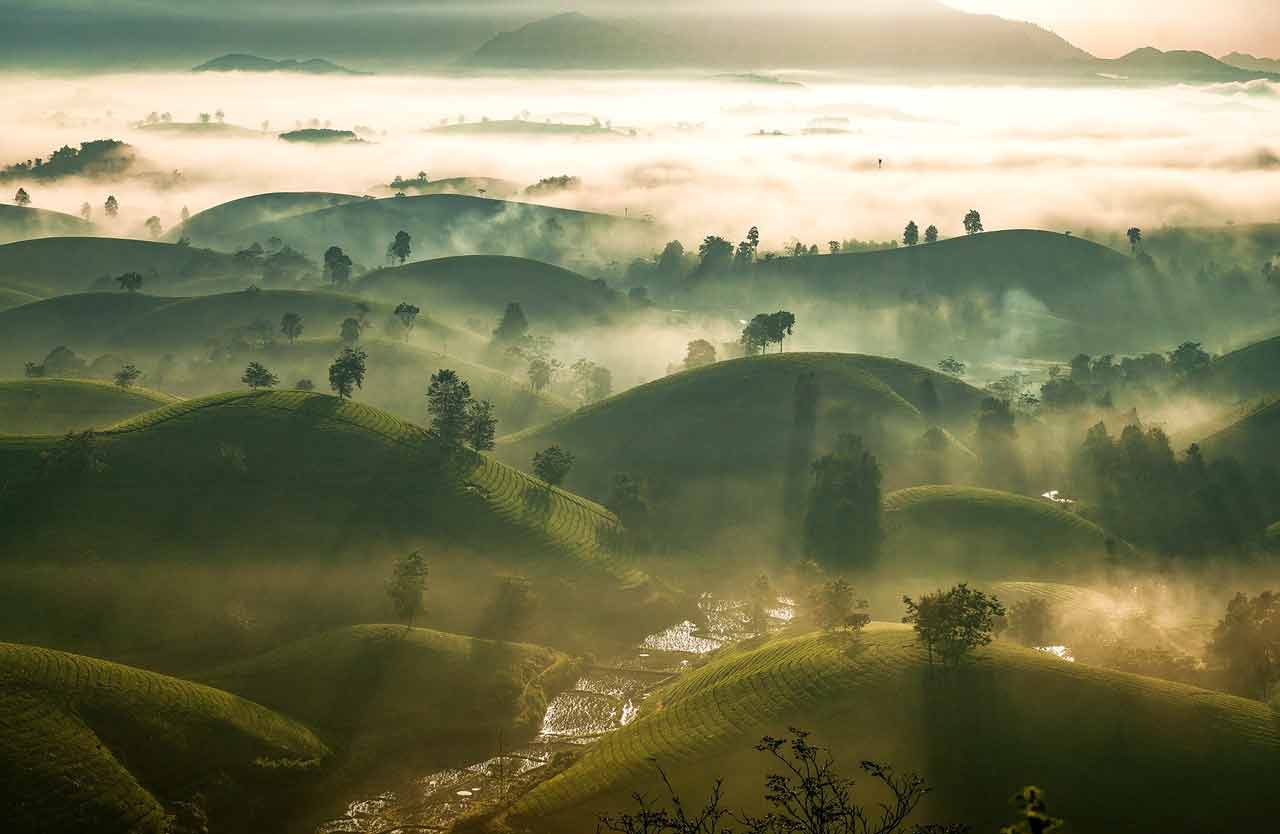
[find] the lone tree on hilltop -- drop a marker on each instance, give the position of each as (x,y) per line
(401,247)
(1135,239)
(911,236)
(552,465)
(699,352)
(972,222)
(842,524)
(130,281)
(779,326)
(347,372)
(447,398)
(953,623)
(755,335)
(22,198)
(408,315)
(291,326)
(407,587)
(337,266)
(931,234)
(256,376)
(111,207)
(127,376)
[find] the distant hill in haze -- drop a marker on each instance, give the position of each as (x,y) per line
(567,41)
(1151,64)
(238,62)
(1250,62)
(24,223)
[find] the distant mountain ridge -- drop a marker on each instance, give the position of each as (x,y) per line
(1149,63)
(240,62)
(1244,60)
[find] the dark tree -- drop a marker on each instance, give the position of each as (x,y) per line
(842,525)
(407,586)
(1135,239)
(912,234)
(834,606)
(931,234)
(130,281)
(22,198)
(972,222)
(1246,642)
(671,260)
(542,372)
(513,327)
(400,248)
(347,372)
(111,207)
(626,500)
(127,376)
(350,332)
(779,326)
(755,336)
(952,366)
(699,352)
(552,465)
(305,384)
(291,326)
(154,228)
(714,254)
(1033,814)
(953,623)
(257,376)
(447,398)
(1188,358)
(408,316)
(482,425)
(337,266)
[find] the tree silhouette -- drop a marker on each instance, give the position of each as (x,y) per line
(347,372)
(482,425)
(337,266)
(513,326)
(408,316)
(1033,814)
(779,326)
(699,352)
(401,247)
(111,207)
(911,236)
(552,465)
(842,523)
(714,254)
(256,376)
(972,222)
(447,398)
(755,335)
(931,234)
(127,376)
(407,586)
(350,330)
(154,227)
(951,366)
(22,198)
(542,372)
(955,622)
(834,606)
(1246,641)
(291,326)
(1135,239)
(130,281)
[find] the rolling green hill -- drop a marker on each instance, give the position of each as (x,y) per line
(88,745)
(455,224)
(24,223)
(1252,371)
(311,479)
(220,225)
(378,688)
(1200,760)
(483,285)
(714,445)
(986,533)
(1254,438)
(136,323)
(76,264)
(55,406)
(15,296)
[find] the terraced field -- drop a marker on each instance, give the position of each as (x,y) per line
(988,533)
(56,406)
(87,745)
(1023,715)
(378,688)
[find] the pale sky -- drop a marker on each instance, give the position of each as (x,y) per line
(1109,28)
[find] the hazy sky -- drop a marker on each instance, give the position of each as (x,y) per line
(1109,28)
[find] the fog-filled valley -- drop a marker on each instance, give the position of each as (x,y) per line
(646,443)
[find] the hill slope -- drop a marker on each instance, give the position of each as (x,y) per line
(55,406)
(1255,438)
(715,444)
(1150,64)
(378,687)
(24,223)
(454,224)
(482,286)
(75,264)
(220,225)
(975,532)
(1098,737)
(87,745)
(1252,371)
(240,62)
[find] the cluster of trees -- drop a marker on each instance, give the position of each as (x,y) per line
(591,382)
(1246,642)
(455,416)
(1093,379)
(1179,505)
(765,329)
(842,524)
(277,262)
(911,235)
(551,185)
(553,464)
(99,158)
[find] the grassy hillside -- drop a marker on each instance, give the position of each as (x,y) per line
(308,479)
(221,225)
(983,532)
(91,323)
(55,406)
(715,444)
(455,224)
(1200,760)
(87,745)
(24,223)
(15,296)
(378,687)
(77,264)
(483,285)
(1254,438)
(1251,371)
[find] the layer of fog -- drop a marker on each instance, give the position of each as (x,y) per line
(1059,158)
